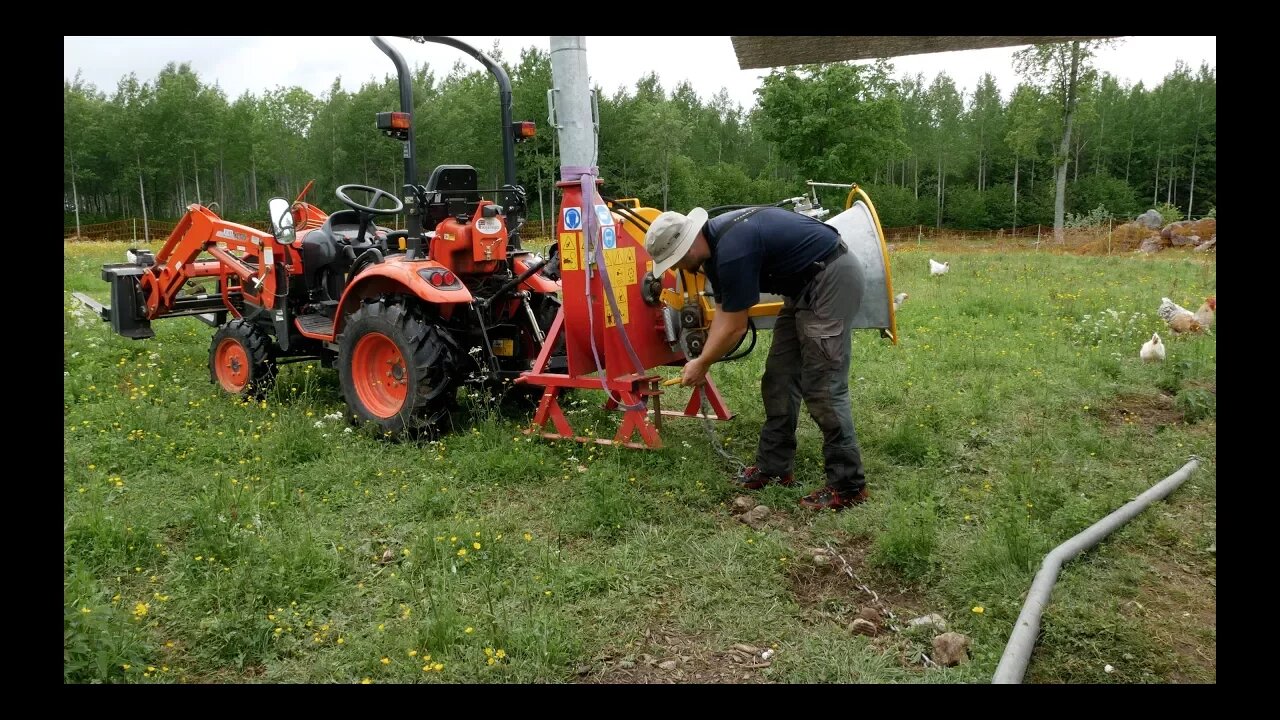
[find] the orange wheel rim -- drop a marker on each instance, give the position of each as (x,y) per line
(231,363)
(379,375)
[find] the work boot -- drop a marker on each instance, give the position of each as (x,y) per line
(825,498)
(750,478)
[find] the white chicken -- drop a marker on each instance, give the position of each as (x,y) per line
(898,300)
(1179,319)
(1152,350)
(937,268)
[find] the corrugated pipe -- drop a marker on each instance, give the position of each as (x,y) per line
(1013,664)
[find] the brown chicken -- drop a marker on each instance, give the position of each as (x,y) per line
(1205,315)
(1179,319)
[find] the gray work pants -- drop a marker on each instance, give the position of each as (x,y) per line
(809,360)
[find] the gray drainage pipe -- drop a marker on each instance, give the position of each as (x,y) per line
(1013,664)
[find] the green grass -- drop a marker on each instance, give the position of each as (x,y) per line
(207,540)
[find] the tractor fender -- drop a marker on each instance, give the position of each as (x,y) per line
(395,276)
(537,283)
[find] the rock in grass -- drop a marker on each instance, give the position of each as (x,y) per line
(933,620)
(871,615)
(863,627)
(756,517)
(742,503)
(950,649)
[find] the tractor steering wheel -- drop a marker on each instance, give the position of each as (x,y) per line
(377,195)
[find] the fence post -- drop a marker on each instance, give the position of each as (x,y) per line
(919,235)
(135,229)
(1108,236)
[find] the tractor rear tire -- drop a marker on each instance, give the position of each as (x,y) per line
(397,368)
(241,361)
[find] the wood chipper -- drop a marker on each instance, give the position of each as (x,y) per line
(619,322)
(406,316)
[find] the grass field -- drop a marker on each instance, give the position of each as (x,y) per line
(211,541)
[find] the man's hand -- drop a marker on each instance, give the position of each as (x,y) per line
(694,373)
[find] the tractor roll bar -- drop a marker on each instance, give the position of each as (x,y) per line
(406,105)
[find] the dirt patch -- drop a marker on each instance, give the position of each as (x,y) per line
(844,588)
(666,657)
(1179,603)
(1145,411)
(837,588)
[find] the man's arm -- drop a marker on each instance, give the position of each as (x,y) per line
(727,329)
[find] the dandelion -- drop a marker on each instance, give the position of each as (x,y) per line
(366,681)
(979,609)
(126,666)
(140,609)
(469,630)
(413,653)
(528,537)
(546,592)
(501,653)
(382,627)
(86,610)
(462,552)
(475,545)
(386,661)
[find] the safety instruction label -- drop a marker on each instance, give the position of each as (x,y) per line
(573,218)
(570,257)
(621,265)
(620,294)
(608,237)
(603,215)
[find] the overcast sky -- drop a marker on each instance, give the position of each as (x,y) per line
(708,63)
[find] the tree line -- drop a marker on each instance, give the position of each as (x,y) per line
(926,152)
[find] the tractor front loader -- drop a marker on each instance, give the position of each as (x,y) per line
(406,316)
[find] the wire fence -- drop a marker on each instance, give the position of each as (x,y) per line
(1113,237)
(133,230)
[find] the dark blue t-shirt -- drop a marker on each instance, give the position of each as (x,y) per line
(771,242)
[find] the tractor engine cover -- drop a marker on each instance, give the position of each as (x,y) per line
(474,246)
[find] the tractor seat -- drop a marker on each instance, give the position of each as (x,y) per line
(325,250)
(343,225)
(455,186)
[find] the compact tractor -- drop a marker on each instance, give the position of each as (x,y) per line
(406,316)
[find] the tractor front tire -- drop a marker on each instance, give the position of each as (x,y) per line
(397,368)
(240,359)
